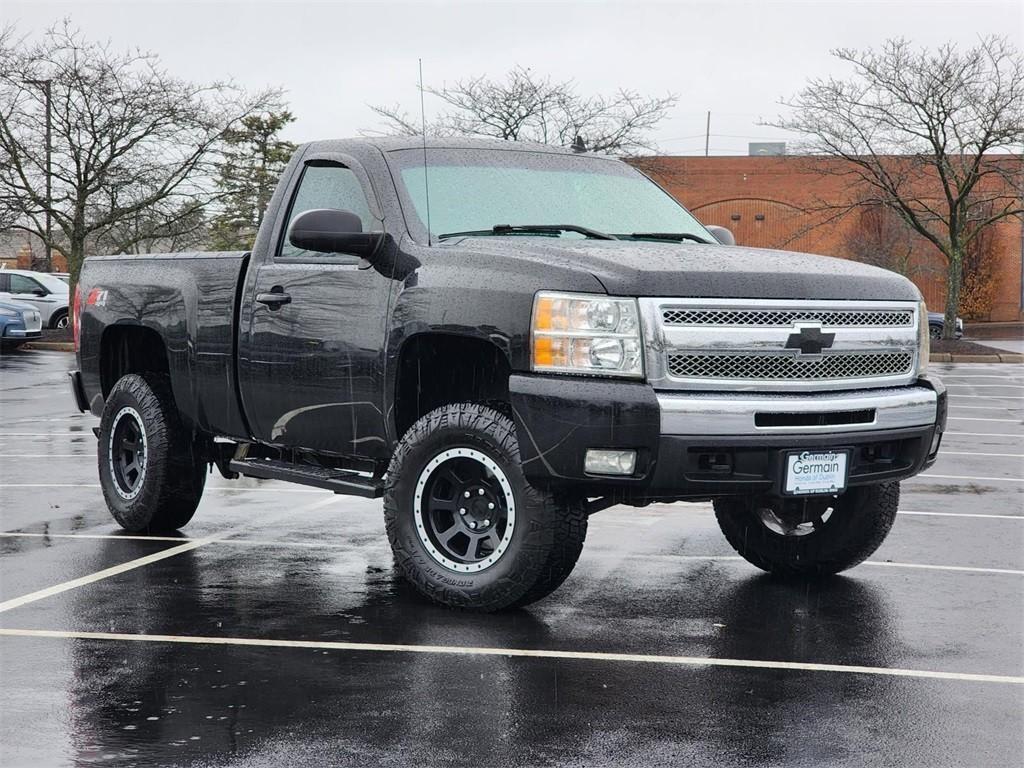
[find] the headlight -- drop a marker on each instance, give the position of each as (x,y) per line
(583,333)
(924,344)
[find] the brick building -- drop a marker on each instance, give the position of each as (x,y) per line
(763,201)
(17,250)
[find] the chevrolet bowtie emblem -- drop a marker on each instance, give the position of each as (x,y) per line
(810,340)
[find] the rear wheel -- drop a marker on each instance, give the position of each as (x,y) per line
(151,477)
(465,527)
(813,536)
(59,319)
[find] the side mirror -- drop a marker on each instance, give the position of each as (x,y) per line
(722,235)
(328,230)
(40,292)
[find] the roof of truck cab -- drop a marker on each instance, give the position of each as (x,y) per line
(394,143)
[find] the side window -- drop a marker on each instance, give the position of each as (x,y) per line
(5,283)
(326,186)
(22,284)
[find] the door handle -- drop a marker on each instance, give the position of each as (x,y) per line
(274,299)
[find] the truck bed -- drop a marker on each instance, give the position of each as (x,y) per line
(188,300)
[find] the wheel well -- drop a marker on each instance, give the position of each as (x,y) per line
(436,369)
(128,349)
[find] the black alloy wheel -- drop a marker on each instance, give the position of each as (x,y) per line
(128,452)
(465,511)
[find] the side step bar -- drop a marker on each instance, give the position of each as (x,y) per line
(337,480)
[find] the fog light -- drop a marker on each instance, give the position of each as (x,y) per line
(609,462)
(936,438)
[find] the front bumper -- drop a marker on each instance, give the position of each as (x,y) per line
(22,334)
(700,445)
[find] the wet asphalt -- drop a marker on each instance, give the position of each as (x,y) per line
(269,641)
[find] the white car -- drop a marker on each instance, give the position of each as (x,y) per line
(47,293)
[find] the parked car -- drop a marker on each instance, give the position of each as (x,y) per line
(551,335)
(65,276)
(937,323)
(19,322)
(46,292)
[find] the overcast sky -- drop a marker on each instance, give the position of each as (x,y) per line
(736,59)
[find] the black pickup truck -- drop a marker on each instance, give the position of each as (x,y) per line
(502,339)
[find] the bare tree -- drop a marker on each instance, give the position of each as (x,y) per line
(131,145)
(882,238)
(927,134)
(526,107)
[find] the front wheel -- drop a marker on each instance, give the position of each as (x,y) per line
(812,536)
(151,477)
(466,528)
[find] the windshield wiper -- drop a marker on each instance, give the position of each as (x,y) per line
(674,236)
(514,229)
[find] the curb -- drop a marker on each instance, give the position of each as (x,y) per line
(946,357)
(56,346)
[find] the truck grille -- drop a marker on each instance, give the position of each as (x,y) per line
(779,367)
(776,345)
(783,318)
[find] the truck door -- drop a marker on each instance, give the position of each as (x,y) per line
(311,365)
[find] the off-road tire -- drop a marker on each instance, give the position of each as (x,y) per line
(858,525)
(173,479)
(549,531)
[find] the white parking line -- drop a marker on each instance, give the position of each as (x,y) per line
(881,563)
(956,568)
(962,514)
(112,536)
(974,418)
(1012,376)
(981,434)
(985,397)
(208,488)
(969,477)
(46,456)
(989,407)
(979,386)
(222,539)
(188,545)
(114,570)
(536,653)
(972,453)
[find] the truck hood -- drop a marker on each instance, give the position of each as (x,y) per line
(631,268)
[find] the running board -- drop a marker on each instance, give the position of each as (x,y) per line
(337,480)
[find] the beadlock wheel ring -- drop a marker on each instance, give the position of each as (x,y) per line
(127,453)
(497,481)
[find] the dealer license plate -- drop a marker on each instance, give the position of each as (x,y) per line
(810,472)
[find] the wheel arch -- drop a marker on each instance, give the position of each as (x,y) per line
(432,369)
(126,349)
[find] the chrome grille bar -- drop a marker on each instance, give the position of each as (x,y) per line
(783,318)
(860,365)
(772,345)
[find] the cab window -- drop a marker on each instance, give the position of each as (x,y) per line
(326,185)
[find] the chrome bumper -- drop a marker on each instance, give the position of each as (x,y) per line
(739,414)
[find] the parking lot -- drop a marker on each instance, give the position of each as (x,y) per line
(275,632)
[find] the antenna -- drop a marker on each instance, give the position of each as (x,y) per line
(423,123)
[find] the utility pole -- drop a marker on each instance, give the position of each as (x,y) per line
(707,135)
(48,94)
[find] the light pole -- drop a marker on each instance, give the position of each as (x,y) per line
(48,93)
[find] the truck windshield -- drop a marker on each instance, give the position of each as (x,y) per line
(476,190)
